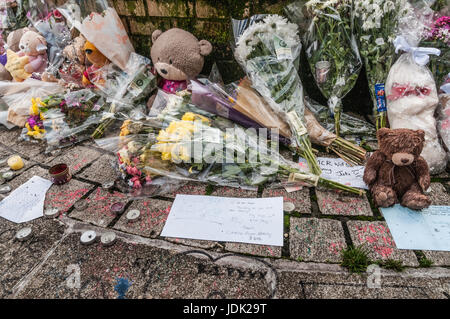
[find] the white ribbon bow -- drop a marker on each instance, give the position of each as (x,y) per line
(420,54)
(446,88)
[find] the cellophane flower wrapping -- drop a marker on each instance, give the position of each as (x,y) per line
(376,24)
(443,115)
(437,35)
(268,51)
(100,24)
(185,143)
(66,119)
(127,90)
(12,16)
(51,24)
(412,99)
(331,49)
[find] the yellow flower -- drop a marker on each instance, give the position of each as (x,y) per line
(35,102)
(124,131)
(189,116)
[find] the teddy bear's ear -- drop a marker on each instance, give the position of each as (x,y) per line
(205,47)
(421,134)
(155,35)
(382,133)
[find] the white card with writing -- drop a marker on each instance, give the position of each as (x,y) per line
(26,202)
(428,229)
(336,169)
(244,220)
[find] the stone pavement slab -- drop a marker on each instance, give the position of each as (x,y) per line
(256,250)
(439,195)
(18,258)
(190,188)
(319,281)
(153,216)
(299,198)
(10,138)
(313,239)
(98,206)
(204,244)
(377,238)
(343,204)
(439,258)
(101,171)
(61,197)
(76,157)
(225,191)
(135,270)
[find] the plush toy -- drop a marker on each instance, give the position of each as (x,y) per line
(396,173)
(98,60)
(16,66)
(34,46)
(71,71)
(12,43)
(178,56)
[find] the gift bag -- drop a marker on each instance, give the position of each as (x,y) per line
(412,99)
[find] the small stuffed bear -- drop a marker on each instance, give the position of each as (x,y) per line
(178,56)
(12,42)
(34,46)
(98,60)
(396,173)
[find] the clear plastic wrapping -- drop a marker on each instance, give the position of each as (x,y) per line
(331,49)
(443,115)
(195,148)
(412,100)
(376,25)
(268,51)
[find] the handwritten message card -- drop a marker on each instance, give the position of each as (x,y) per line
(26,202)
(337,170)
(245,220)
(428,229)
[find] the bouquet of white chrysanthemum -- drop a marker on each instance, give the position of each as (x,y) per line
(377,22)
(330,48)
(268,51)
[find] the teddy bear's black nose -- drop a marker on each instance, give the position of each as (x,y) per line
(163,71)
(405,160)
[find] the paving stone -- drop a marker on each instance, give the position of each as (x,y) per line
(315,283)
(224,191)
(257,250)
(76,157)
(98,210)
(205,244)
(439,258)
(101,171)
(27,148)
(154,214)
(344,204)
(313,239)
(190,188)
(77,271)
(299,198)
(61,197)
(377,238)
(439,195)
(18,258)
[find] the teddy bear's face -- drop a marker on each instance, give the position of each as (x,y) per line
(33,44)
(177,54)
(402,146)
(94,55)
(13,39)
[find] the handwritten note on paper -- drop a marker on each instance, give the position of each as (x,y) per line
(428,229)
(336,169)
(245,220)
(26,202)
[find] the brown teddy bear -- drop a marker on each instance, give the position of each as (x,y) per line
(178,56)
(396,173)
(12,42)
